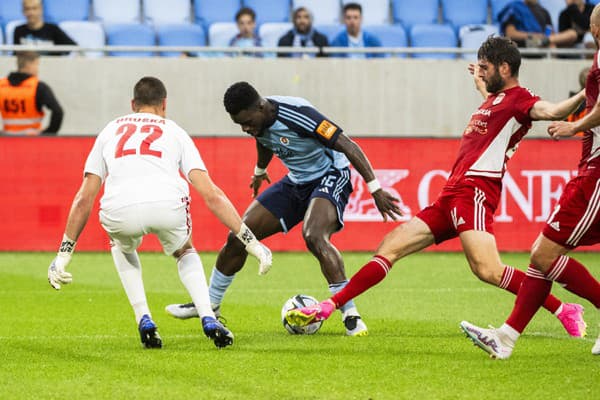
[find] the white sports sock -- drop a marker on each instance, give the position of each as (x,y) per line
(192,277)
(130,271)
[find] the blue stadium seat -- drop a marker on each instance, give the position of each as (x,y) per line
(220,34)
(167,12)
(210,11)
(497,6)
(9,30)
(325,12)
(464,12)
(471,37)
(330,30)
(66,10)
(594,2)
(85,33)
(390,35)
(271,32)
(433,35)
(409,13)
(269,10)
(554,8)
(117,11)
(374,11)
(130,35)
(180,35)
(10,10)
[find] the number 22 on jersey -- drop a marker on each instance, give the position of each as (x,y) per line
(127,130)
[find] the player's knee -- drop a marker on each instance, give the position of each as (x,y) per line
(314,241)
(485,273)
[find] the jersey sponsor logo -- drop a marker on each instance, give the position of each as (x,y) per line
(482,111)
(498,99)
(284,141)
(326,129)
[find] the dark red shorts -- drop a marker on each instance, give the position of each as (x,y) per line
(575,220)
(468,207)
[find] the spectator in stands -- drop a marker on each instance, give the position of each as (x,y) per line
(575,21)
(23,98)
(247,36)
(354,36)
(37,32)
(529,24)
(581,110)
(303,34)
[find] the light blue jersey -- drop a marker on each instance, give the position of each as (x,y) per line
(303,139)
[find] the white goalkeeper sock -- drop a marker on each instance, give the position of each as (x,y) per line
(193,278)
(130,271)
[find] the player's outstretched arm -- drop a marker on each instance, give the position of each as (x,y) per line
(558,129)
(218,203)
(385,202)
(546,111)
(78,216)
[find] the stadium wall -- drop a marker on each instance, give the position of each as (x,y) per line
(41,175)
(388,97)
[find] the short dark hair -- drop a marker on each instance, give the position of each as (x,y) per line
(149,91)
(498,50)
(240,96)
(26,57)
(352,6)
(299,10)
(245,11)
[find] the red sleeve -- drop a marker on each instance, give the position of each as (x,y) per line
(523,103)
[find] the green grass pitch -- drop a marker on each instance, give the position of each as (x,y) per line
(82,342)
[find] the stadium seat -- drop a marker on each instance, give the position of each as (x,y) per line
(208,12)
(9,30)
(130,35)
(271,32)
(85,33)
(433,35)
(117,11)
(180,35)
(325,12)
(409,13)
(330,30)
(374,11)
(66,10)
(167,12)
(464,12)
(497,6)
(10,10)
(220,34)
(471,37)
(390,35)
(554,8)
(269,10)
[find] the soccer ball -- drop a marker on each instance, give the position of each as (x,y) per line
(299,301)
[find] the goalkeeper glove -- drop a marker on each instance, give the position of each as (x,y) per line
(56,270)
(256,248)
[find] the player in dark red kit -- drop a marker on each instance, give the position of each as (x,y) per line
(466,206)
(574,222)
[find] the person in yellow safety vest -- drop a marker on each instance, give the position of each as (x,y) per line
(23,98)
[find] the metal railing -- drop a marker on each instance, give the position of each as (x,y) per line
(272,51)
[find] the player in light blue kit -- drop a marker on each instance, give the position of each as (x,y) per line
(317,154)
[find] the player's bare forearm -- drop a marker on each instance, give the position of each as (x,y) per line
(225,212)
(547,111)
(356,156)
(82,206)
(264,155)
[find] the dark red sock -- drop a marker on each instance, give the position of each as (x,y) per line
(368,276)
(511,281)
(532,293)
(575,278)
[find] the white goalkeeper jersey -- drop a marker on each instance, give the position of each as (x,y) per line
(139,157)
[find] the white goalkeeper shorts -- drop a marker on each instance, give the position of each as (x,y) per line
(169,220)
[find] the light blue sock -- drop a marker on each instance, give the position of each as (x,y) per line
(349,307)
(219,283)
